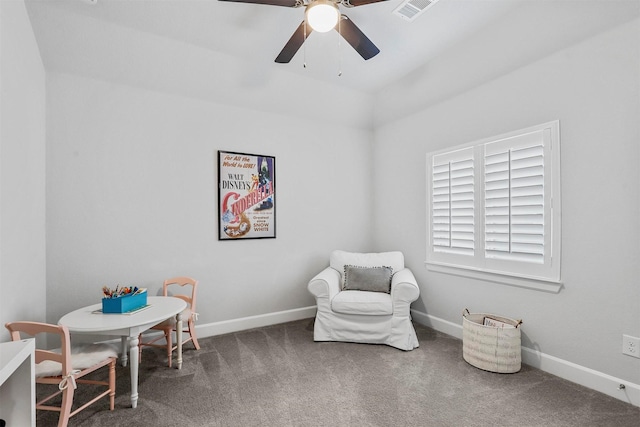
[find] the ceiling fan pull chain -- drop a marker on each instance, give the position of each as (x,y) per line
(304,46)
(339,47)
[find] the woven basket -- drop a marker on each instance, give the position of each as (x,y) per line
(491,348)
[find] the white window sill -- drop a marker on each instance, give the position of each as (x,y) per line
(522,282)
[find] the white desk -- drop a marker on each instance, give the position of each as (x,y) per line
(128,326)
(17,383)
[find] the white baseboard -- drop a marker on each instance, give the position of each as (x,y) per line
(251,322)
(586,377)
(438,324)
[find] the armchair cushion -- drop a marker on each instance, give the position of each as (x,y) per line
(374,279)
(365,303)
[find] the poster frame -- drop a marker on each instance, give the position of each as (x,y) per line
(265,194)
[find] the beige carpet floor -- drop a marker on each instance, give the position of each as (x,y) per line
(278,376)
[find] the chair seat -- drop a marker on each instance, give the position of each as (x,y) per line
(362,302)
(171,322)
(82,357)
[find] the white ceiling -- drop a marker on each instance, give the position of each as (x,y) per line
(224,52)
(252,35)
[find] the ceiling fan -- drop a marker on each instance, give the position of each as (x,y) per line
(322,16)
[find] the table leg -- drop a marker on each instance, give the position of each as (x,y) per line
(133,355)
(179,339)
(125,357)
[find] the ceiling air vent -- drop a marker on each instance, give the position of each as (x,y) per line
(411,9)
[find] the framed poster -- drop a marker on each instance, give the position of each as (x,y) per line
(246,196)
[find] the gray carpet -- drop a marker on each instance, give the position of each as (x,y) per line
(277,376)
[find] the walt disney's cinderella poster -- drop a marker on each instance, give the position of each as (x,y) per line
(246,196)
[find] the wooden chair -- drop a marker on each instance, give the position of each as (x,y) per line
(65,367)
(169,326)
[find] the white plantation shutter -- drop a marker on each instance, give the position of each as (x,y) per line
(494,208)
(452,203)
(514,199)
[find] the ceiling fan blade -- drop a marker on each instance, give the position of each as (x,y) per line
(285,3)
(294,43)
(354,3)
(356,38)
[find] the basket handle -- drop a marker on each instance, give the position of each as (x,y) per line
(465,313)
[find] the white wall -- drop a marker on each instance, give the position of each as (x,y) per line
(131,198)
(593,89)
(22,170)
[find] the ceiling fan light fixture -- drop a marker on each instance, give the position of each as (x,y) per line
(322,15)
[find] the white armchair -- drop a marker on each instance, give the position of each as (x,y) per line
(365,316)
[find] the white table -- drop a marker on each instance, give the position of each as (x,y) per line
(128,326)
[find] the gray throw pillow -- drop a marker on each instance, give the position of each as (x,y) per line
(373,279)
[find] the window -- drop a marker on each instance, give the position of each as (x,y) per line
(494,208)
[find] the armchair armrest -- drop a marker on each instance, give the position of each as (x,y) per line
(325,284)
(404,290)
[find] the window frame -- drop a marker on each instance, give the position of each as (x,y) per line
(543,276)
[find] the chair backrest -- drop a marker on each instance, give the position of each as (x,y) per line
(35,328)
(182,281)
